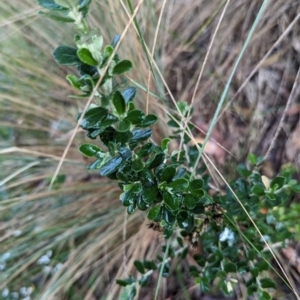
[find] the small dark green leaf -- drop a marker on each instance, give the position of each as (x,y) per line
(86,57)
(119,103)
(267,283)
(154,212)
(150,264)
(137,165)
(89,150)
(230,267)
(122,282)
(149,194)
(135,116)
(51,5)
(180,173)
(124,126)
(254,271)
(189,201)
(168,216)
(93,118)
(131,208)
(168,173)
(258,190)
(179,185)
(66,56)
(129,94)
(243,171)
(145,150)
(139,266)
(149,120)
(186,220)
(155,161)
(196,184)
(139,135)
(168,231)
(171,200)
(127,198)
(277,182)
(122,67)
(141,204)
(111,166)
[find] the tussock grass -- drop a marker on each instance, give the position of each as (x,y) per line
(80,220)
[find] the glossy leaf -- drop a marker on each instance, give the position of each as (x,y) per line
(86,57)
(149,194)
(155,161)
(139,135)
(135,116)
(122,67)
(168,216)
(154,212)
(145,150)
(119,103)
(277,182)
(141,204)
(168,231)
(137,165)
(66,56)
(131,208)
(89,150)
(189,201)
(111,166)
(179,185)
(127,198)
(93,118)
(149,120)
(168,173)
(96,164)
(129,94)
(186,220)
(171,200)
(124,126)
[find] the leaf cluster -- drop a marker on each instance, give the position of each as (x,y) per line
(156,180)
